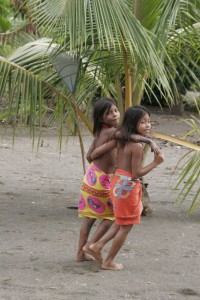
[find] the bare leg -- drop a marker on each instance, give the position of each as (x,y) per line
(101,230)
(96,248)
(84,233)
(117,243)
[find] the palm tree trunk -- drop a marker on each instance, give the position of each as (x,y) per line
(119,97)
(137,94)
(79,131)
(128,81)
(147,211)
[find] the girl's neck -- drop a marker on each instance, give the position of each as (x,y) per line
(105,125)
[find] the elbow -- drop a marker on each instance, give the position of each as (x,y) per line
(136,175)
(89,159)
(94,155)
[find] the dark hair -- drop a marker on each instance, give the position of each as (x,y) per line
(130,122)
(100,107)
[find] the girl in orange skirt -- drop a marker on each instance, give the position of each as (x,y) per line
(126,190)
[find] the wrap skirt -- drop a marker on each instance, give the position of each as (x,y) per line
(126,196)
(95,199)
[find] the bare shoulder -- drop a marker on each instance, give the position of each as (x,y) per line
(133,148)
(111,131)
(136,147)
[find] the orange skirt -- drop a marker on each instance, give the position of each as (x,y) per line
(126,196)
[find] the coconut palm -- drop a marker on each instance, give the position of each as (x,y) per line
(14,25)
(115,42)
(190,174)
(122,40)
(5,12)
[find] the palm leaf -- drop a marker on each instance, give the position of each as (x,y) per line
(191,170)
(25,90)
(68,68)
(105,25)
(190,175)
(175,140)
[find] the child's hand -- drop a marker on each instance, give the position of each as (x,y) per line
(104,148)
(153,146)
(158,157)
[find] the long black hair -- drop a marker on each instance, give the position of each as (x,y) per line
(130,122)
(100,107)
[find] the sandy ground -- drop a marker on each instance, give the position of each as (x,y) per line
(39,232)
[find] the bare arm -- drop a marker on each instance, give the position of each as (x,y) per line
(91,149)
(103,149)
(137,157)
(137,138)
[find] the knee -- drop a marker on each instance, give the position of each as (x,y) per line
(107,224)
(90,222)
(127,228)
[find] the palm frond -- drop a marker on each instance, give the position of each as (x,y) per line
(190,176)
(105,25)
(175,140)
(24,93)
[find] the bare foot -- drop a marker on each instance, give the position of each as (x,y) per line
(112,266)
(94,251)
(84,257)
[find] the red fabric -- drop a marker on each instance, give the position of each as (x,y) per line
(126,196)
(105,125)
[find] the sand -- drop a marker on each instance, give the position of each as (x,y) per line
(39,227)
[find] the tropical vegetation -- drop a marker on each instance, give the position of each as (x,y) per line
(80,50)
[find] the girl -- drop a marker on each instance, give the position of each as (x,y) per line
(126,190)
(95,199)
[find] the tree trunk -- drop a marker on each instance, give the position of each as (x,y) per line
(147,210)
(178,108)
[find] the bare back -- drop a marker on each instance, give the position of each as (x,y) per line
(107,161)
(130,158)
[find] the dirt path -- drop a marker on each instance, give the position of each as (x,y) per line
(39,233)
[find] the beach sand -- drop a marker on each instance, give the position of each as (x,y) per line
(39,226)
